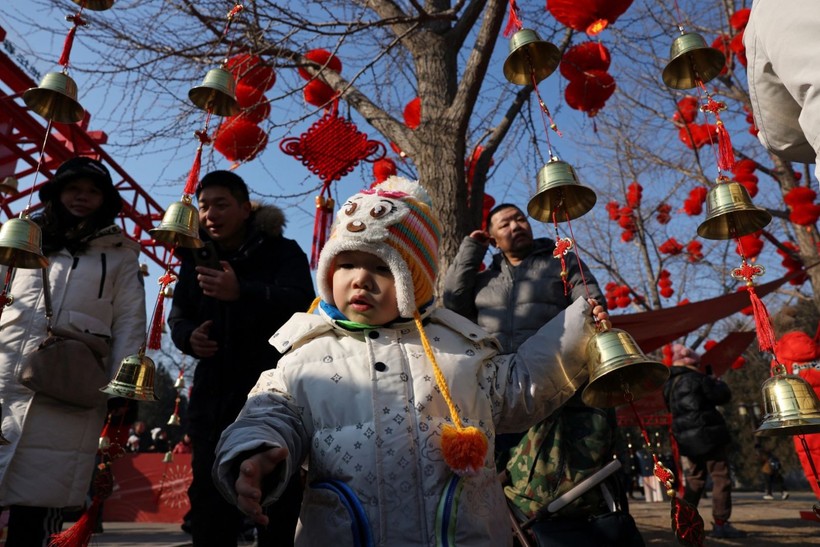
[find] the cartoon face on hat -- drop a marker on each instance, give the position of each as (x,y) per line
(395,222)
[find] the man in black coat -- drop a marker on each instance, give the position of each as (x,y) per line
(225,309)
(702,435)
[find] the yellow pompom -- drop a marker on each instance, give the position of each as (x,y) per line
(464,449)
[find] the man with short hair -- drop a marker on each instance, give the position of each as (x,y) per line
(224,316)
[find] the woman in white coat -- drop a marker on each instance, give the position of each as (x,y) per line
(96,287)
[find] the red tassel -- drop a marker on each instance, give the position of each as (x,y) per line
(155,334)
(321,227)
(79,535)
(69,39)
(193,176)
(513,23)
(726,154)
(763,324)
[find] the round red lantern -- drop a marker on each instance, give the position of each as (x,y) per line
(321,57)
(240,140)
(590,93)
(248,96)
(583,57)
(251,70)
(412,113)
(590,16)
(318,93)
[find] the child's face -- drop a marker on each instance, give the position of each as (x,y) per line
(364,289)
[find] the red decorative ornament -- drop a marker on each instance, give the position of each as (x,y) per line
(590,16)
(248,96)
(412,113)
(240,140)
(251,70)
(737,47)
(804,211)
(740,19)
(382,169)
(323,58)
(721,43)
(664,210)
(671,247)
(695,250)
(763,326)
(693,205)
(687,111)
(486,206)
(331,148)
(590,93)
(318,93)
(584,57)
(792,262)
(667,355)
(254,114)
(634,192)
(613,209)
(750,245)
(696,136)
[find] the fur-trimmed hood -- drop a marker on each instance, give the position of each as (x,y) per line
(267,219)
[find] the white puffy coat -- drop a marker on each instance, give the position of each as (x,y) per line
(364,408)
(100,290)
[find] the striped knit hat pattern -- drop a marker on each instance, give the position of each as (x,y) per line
(395,222)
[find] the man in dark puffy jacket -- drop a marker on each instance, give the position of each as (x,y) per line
(702,435)
(223,314)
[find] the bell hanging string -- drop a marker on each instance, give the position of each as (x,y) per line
(763,323)
(155,333)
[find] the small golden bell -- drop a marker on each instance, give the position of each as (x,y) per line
(168,458)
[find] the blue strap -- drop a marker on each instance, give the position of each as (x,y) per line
(360,525)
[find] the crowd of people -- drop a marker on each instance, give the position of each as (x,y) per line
(370,414)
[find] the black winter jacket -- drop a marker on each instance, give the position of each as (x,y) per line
(692,398)
(275,282)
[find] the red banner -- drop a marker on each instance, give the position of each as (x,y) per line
(146,489)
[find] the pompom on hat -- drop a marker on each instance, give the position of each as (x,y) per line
(684,357)
(395,221)
(795,347)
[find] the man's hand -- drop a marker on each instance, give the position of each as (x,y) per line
(482,237)
(600,314)
(220,284)
(200,343)
(249,484)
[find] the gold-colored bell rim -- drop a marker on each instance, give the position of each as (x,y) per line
(544,56)
(216,94)
(560,194)
(9,186)
(694,44)
(730,213)
(55,99)
(184,233)
(25,253)
(611,377)
(95,5)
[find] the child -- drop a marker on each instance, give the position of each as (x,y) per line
(394,403)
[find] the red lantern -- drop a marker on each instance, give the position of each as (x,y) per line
(590,93)
(251,70)
(740,18)
(321,57)
(382,169)
(256,113)
(590,16)
(696,136)
(664,210)
(318,93)
(583,57)
(240,140)
(688,109)
(613,209)
(248,96)
(721,43)
(695,250)
(412,113)
(671,247)
(749,245)
(738,48)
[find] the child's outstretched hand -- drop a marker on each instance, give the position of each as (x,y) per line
(249,484)
(600,315)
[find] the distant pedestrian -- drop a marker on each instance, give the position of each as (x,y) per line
(692,398)
(772,471)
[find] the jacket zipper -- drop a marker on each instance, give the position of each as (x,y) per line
(102,275)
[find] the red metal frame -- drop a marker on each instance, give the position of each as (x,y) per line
(22,135)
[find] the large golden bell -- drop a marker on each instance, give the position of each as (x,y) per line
(217,94)
(55,99)
(179,226)
(560,192)
(618,367)
(692,60)
(20,244)
(8,186)
(791,407)
(95,5)
(730,213)
(134,380)
(530,57)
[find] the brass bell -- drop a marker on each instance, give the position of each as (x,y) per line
(95,5)
(168,457)
(104,443)
(618,367)
(20,244)
(692,60)
(560,192)
(9,186)
(174,420)
(179,383)
(730,213)
(791,406)
(530,57)
(144,269)
(55,99)
(134,380)
(217,94)
(180,225)
(168,291)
